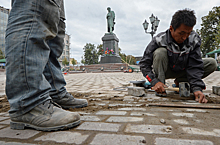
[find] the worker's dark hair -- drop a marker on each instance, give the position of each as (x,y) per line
(185,16)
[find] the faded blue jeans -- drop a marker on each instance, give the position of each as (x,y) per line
(34,42)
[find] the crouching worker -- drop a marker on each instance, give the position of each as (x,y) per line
(176,53)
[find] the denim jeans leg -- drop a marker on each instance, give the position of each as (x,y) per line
(52,71)
(31,24)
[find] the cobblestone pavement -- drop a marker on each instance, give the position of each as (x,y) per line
(115,118)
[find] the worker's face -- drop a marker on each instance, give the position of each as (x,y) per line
(181,33)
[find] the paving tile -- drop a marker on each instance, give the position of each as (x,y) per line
(196,110)
(183,114)
(97,126)
(150,129)
(129,109)
(6,122)
(168,141)
(128,97)
(120,105)
(197,131)
(83,113)
(124,119)
(20,134)
(2,126)
(3,118)
(13,143)
(128,100)
(2,113)
(111,113)
(90,118)
(141,114)
(116,139)
(64,137)
(181,121)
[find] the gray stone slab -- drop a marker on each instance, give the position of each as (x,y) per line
(90,118)
(150,129)
(13,143)
(111,113)
(129,97)
(142,114)
(214,132)
(3,118)
(2,126)
(124,119)
(129,109)
(117,139)
(128,100)
(197,110)
(6,122)
(20,134)
(64,137)
(136,91)
(216,90)
(183,114)
(97,126)
(2,113)
(168,141)
(120,105)
(181,121)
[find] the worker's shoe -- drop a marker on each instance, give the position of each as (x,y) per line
(46,117)
(68,101)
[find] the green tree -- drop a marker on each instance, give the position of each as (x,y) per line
(208,30)
(74,61)
(83,60)
(90,54)
(1,55)
(217,37)
(65,62)
(129,59)
(100,49)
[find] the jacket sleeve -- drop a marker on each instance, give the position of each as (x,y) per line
(147,61)
(194,69)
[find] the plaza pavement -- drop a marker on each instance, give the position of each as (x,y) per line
(115,118)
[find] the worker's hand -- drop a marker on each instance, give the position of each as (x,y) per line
(200,97)
(159,87)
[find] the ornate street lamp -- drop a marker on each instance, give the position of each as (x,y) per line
(155,23)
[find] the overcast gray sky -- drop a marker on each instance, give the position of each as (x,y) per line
(86,20)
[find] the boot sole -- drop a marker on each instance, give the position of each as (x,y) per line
(22,126)
(79,106)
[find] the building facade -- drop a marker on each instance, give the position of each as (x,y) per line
(66,50)
(3,24)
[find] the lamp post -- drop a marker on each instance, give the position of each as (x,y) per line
(155,22)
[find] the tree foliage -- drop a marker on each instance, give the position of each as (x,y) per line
(209,30)
(1,55)
(65,62)
(73,61)
(129,59)
(217,36)
(100,49)
(90,54)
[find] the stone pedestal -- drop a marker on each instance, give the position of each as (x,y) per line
(110,42)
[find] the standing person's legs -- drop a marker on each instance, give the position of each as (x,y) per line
(54,76)
(31,24)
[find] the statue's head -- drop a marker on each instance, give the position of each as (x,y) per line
(109,9)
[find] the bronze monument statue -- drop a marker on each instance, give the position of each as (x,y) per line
(110,20)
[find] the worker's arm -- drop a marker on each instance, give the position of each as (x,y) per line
(147,61)
(194,68)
